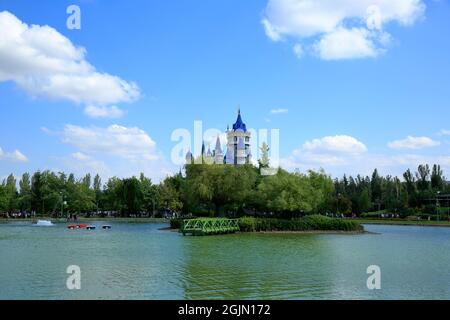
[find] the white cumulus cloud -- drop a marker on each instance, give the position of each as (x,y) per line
(339,144)
(340,29)
(103,112)
(15,156)
(414,143)
(298,50)
(444,132)
(329,153)
(44,63)
(345,43)
(114,150)
(279,110)
(125,142)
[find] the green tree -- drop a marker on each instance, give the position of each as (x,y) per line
(364,203)
(288,193)
(437,178)
(377,189)
(264,161)
(131,196)
(422,175)
(25,193)
(11,193)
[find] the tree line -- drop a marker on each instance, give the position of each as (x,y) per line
(423,192)
(222,190)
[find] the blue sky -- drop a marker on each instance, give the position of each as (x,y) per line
(356,90)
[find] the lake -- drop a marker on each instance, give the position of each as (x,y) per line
(141,261)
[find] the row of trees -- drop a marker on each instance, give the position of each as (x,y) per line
(224,190)
(53,193)
(417,193)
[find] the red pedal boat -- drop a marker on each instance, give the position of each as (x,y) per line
(76,226)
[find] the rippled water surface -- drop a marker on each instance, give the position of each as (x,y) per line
(140,261)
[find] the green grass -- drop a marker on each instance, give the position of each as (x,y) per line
(403,222)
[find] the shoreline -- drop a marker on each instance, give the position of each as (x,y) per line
(290,232)
(442,224)
(310,232)
(81,219)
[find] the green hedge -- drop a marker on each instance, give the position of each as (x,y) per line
(176,223)
(308,223)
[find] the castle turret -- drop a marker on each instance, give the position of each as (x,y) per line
(203,148)
(218,155)
(208,158)
(189,157)
(239,135)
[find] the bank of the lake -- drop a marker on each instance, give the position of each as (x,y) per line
(85,219)
(404,222)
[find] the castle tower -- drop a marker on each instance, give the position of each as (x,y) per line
(239,142)
(218,154)
(241,153)
(208,158)
(189,158)
(229,158)
(237,148)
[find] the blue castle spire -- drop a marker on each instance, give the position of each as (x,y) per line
(239,124)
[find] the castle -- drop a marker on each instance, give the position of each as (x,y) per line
(237,149)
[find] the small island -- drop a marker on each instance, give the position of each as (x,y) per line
(307,224)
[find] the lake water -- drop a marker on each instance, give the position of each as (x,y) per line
(140,261)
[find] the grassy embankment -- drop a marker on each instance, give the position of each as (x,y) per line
(306,224)
(403,222)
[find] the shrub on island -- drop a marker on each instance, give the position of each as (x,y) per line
(307,223)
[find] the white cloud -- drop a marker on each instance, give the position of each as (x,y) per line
(81,164)
(125,142)
(46,64)
(114,150)
(413,143)
(15,156)
(331,153)
(270,31)
(298,50)
(444,132)
(80,156)
(341,155)
(279,110)
(340,144)
(103,112)
(345,43)
(359,24)
(338,165)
